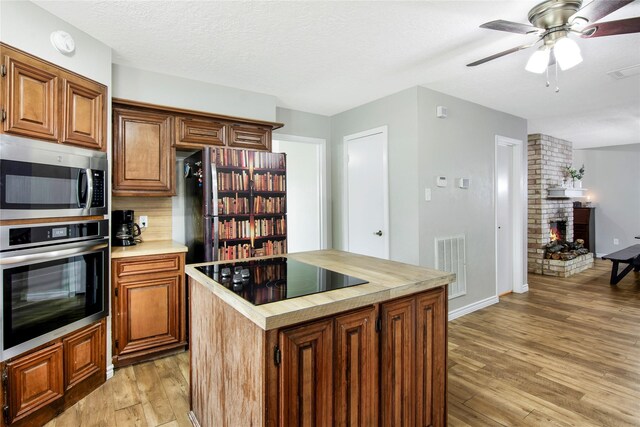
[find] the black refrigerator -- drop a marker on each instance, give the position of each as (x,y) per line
(236,204)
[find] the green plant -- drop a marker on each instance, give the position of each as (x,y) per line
(575,174)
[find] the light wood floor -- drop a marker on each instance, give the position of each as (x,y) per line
(565,353)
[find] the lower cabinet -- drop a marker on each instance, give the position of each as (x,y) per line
(42,383)
(329,369)
(149,307)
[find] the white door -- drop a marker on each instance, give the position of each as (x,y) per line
(305,191)
(504,215)
(367,197)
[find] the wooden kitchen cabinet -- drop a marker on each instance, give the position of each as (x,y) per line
(83,121)
(143,157)
(44,101)
(194,133)
(34,381)
(306,385)
(43,382)
(149,307)
(250,137)
(31,91)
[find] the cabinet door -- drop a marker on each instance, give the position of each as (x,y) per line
(356,369)
(250,136)
(34,381)
(31,97)
(306,375)
(144,161)
(149,314)
(84,114)
(431,356)
(398,363)
(83,354)
(197,133)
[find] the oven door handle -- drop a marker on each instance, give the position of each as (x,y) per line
(52,255)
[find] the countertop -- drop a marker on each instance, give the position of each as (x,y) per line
(157,247)
(387,280)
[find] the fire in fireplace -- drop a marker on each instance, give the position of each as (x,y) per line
(557,231)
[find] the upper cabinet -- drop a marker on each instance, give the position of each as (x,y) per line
(195,133)
(144,162)
(43,101)
(146,137)
(250,137)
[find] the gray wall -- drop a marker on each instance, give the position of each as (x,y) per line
(27,27)
(612,175)
(163,89)
(399,112)
(462,145)
(299,123)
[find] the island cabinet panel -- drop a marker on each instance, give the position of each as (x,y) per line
(144,161)
(149,307)
(197,133)
(431,364)
(306,385)
(356,369)
(31,97)
(398,361)
(34,382)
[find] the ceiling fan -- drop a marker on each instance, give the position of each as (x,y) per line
(552,21)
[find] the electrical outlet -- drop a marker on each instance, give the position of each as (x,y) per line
(144,221)
(616,241)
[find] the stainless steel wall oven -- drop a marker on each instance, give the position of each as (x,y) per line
(45,180)
(54,281)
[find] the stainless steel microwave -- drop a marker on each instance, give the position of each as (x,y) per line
(47,180)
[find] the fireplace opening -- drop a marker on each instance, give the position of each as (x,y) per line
(557,231)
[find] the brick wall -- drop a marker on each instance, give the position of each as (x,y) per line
(548,157)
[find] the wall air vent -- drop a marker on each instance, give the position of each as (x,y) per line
(451,257)
(625,72)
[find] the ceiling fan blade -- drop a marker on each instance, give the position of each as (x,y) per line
(612,28)
(511,27)
(498,55)
(598,9)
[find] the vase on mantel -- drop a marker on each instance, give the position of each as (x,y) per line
(577,183)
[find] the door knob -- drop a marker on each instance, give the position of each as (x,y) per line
(378,233)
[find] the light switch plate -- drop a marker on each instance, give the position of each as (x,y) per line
(427,194)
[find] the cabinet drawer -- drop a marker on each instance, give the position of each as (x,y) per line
(249,136)
(147,264)
(199,132)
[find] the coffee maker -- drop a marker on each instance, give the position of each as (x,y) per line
(123,230)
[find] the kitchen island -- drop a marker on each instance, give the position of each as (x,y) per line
(371,354)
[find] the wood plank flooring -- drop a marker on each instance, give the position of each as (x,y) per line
(566,353)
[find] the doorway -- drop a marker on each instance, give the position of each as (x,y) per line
(366,193)
(306,191)
(510,201)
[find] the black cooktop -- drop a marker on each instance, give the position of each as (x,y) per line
(276,279)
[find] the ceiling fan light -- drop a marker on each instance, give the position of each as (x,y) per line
(567,53)
(538,61)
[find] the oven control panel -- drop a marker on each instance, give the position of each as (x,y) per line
(14,237)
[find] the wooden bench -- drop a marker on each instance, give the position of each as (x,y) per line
(630,255)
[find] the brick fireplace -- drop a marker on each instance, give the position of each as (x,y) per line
(547,158)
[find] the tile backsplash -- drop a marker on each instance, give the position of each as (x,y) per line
(158,209)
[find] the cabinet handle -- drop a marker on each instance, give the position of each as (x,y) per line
(4,115)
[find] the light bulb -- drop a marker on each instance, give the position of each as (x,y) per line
(538,61)
(567,53)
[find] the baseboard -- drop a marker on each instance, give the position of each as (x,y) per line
(600,255)
(110,371)
(523,289)
(459,312)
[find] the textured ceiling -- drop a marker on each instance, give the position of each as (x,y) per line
(326,57)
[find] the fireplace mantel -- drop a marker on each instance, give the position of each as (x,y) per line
(565,193)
